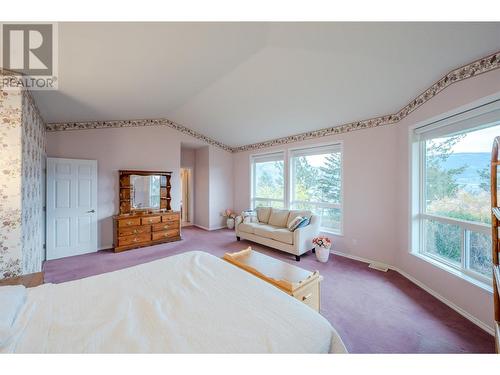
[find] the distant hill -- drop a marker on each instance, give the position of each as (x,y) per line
(474,161)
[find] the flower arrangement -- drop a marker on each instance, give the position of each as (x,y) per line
(228,213)
(324,242)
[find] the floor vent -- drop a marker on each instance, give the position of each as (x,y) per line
(378,267)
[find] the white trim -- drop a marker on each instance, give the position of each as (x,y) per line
(456,111)
(253,158)
(209,229)
(466,118)
(479,281)
(484,326)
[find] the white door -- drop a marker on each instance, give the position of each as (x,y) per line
(71,207)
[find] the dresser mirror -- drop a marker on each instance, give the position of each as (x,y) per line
(145,192)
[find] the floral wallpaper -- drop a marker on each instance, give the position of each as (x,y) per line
(10,183)
(22,144)
(32,186)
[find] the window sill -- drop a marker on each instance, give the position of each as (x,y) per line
(455,272)
(332,232)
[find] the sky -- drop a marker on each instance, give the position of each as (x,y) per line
(478,141)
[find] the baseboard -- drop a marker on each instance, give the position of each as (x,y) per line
(447,302)
(208,229)
(458,309)
(107,247)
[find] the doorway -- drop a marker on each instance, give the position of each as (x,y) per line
(186,196)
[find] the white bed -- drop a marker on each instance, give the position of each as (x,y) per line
(188,303)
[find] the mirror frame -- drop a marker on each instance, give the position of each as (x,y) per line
(126,191)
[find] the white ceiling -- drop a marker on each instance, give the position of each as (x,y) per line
(241,83)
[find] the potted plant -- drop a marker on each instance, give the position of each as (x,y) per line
(322,247)
(230,216)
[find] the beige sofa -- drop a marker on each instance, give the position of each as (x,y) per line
(270,228)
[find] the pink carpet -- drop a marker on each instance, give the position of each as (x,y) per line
(374,312)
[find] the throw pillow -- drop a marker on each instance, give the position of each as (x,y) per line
(304,223)
(295,223)
(279,218)
(263,214)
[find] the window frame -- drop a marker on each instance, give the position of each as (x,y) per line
(287,178)
(253,186)
(335,147)
(466,120)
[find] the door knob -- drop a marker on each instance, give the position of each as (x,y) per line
(91,211)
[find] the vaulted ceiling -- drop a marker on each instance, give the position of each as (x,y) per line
(241,83)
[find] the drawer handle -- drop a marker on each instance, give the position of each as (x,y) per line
(135,231)
(129,223)
(150,220)
(136,239)
(306,297)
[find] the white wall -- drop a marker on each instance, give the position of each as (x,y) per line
(476,301)
(221,186)
(201,188)
(147,148)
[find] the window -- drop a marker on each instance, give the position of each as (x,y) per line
(315,184)
(310,180)
(268,180)
(451,191)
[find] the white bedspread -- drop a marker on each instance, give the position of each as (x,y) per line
(188,303)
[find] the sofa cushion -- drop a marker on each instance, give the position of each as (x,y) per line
(248,227)
(263,214)
(295,213)
(265,231)
(279,218)
(282,235)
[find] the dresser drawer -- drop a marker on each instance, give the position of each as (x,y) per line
(309,294)
(129,231)
(170,217)
(150,220)
(166,226)
(131,240)
(165,234)
(129,222)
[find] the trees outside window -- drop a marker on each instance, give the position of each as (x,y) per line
(455,199)
(268,183)
(316,184)
(311,180)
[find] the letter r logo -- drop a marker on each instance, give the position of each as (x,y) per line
(27,48)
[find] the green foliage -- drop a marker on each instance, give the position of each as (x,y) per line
(441,183)
(444,240)
(329,183)
(445,197)
(484,177)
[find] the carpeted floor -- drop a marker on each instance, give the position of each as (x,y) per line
(374,312)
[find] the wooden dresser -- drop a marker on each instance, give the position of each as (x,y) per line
(145,229)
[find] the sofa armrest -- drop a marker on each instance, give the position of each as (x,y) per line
(302,237)
(238,220)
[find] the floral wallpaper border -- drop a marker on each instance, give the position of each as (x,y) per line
(472,69)
(135,123)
